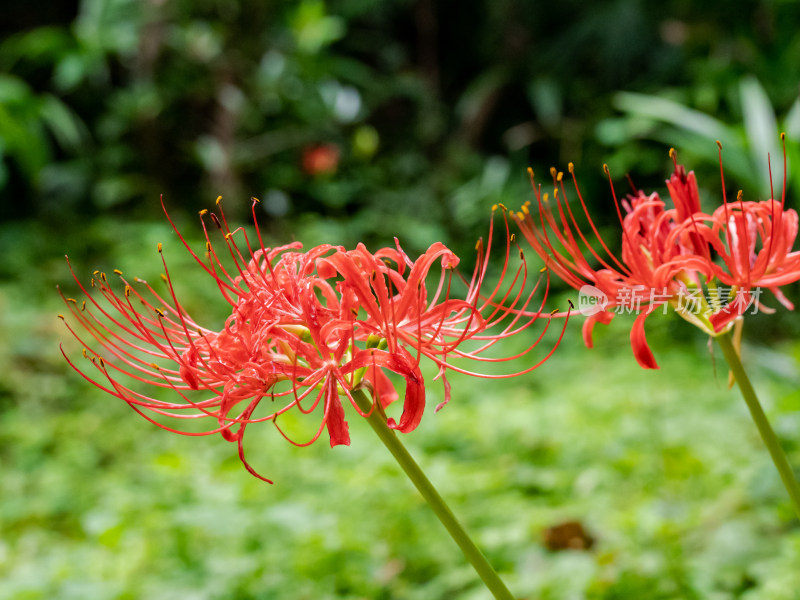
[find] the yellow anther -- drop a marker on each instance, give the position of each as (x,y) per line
(219,199)
(560,176)
(527,203)
(102,362)
(783,136)
(155,366)
(254,199)
(202,212)
(160,247)
(518,216)
(95,272)
(521,256)
(553,172)
(739,195)
(139,280)
(554,311)
(555,194)
(117,272)
(103,277)
(605,169)
(719,144)
(672,153)
(164,278)
(83,306)
(60,316)
(72,300)
(571,168)
(543,269)
(494,207)
(546,197)
(91,283)
(208,246)
(127,291)
(511,239)
(84,353)
(501,205)
(525,209)
(159,312)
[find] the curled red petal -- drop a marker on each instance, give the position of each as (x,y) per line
(384,389)
(641,351)
(414,401)
(782,299)
(720,319)
(682,188)
(603,317)
(338,429)
(402,363)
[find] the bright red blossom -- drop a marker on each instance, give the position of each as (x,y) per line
(753,240)
(669,255)
(305,329)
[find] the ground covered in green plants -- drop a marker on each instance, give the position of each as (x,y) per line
(663,470)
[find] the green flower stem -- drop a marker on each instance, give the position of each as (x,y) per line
(389,438)
(767,434)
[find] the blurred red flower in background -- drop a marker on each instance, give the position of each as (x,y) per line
(320,159)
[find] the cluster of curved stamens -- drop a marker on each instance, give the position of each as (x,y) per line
(305,330)
(669,255)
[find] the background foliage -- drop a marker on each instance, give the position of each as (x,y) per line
(435,109)
(360,120)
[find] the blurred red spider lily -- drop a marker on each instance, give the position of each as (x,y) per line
(305,329)
(322,159)
(705,267)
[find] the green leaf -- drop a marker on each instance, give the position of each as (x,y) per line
(674,113)
(760,126)
(313,28)
(43,44)
(791,123)
(66,126)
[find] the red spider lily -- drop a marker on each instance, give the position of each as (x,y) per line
(400,312)
(668,255)
(753,242)
(654,257)
(305,328)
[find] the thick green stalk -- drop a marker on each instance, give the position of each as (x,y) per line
(434,500)
(764,428)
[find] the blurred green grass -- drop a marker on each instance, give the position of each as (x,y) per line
(663,469)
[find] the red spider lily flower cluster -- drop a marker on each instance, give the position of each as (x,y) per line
(669,255)
(306,329)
